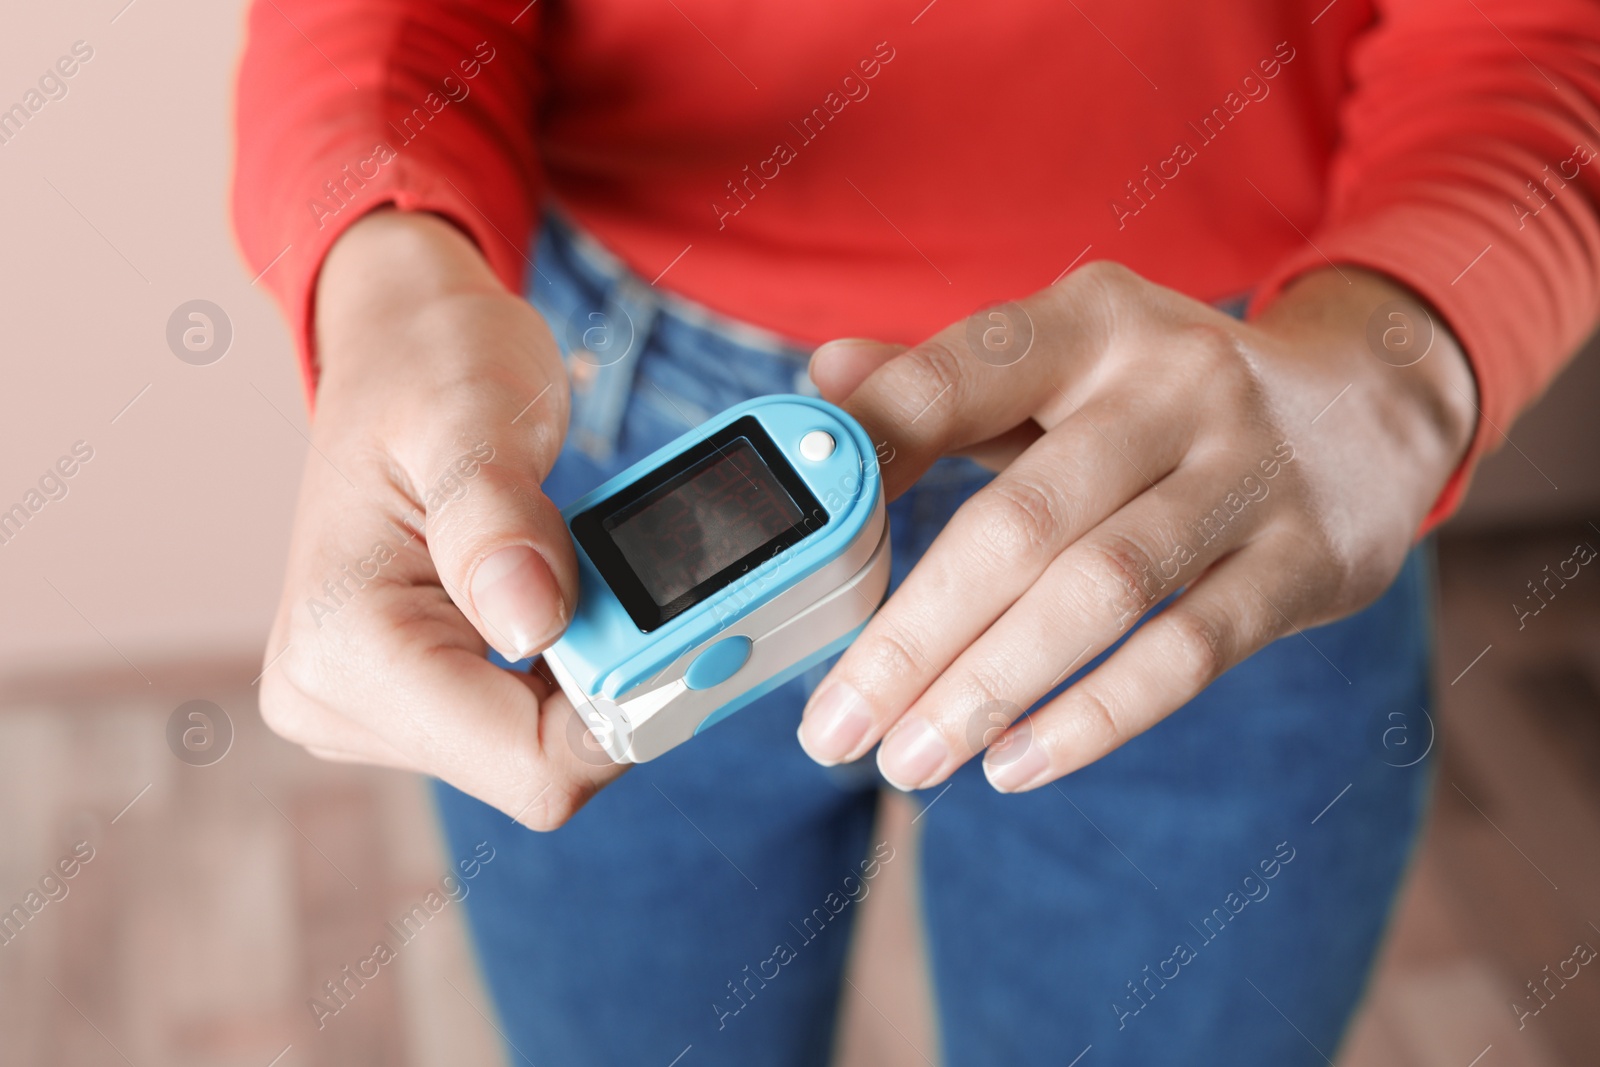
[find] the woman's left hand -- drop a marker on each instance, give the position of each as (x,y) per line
(1276,471)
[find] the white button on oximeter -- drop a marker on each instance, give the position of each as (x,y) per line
(817,445)
(718,568)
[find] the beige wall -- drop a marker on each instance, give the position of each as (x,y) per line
(170,540)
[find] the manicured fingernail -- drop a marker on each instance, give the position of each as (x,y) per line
(911,753)
(519,601)
(1008,770)
(835,724)
(839,344)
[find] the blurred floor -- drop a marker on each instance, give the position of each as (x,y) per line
(220,898)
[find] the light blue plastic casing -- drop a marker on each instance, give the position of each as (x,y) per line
(605,652)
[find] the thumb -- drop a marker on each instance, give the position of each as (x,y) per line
(839,367)
(500,546)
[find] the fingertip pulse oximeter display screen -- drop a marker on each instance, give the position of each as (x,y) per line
(696,523)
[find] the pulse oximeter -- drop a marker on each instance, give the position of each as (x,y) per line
(718,568)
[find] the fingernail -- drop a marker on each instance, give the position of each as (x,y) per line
(911,753)
(838,344)
(1008,771)
(518,599)
(835,724)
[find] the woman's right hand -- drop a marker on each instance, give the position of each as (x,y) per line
(422,535)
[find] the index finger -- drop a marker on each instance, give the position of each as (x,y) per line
(392,672)
(404,665)
(980,378)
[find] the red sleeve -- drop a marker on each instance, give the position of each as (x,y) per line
(1469,170)
(346,105)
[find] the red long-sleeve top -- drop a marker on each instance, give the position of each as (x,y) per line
(882,168)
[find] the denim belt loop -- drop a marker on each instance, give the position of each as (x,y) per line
(603,360)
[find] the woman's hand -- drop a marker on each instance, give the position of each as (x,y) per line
(422,535)
(1276,471)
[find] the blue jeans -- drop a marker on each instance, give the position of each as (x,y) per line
(1214,891)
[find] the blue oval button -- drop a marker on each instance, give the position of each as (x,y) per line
(718,663)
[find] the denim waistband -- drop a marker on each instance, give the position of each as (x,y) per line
(620,334)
